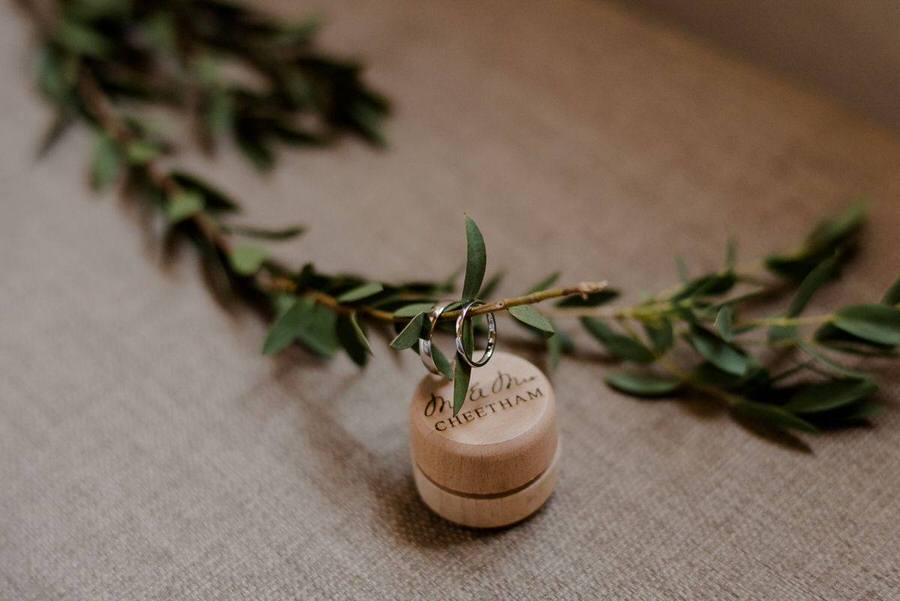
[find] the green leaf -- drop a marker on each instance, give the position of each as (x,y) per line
(476,260)
(282,303)
(554,351)
(92,10)
(829,236)
(353,339)
(724,355)
(832,365)
(301,32)
(660,333)
(307,322)
(360,292)
(214,200)
(413,309)
(557,344)
(264,233)
(709,374)
(246,260)
(834,338)
(410,334)
(875,323)
(707,285)
(773,415)
(219,115)
(725,322)
(814,280)
(183,205)
(643,385)
(532,318)
(81,39)
(54,79)
(441,362)
(779,334)
(160,30)
(255,147)
(462,372)
(619,345)
(824,396)
(839,228)
(859,412)
(892,296)
(141,152)
(823,272)
(594,299)
(544,284)
(106,162)
(63,120)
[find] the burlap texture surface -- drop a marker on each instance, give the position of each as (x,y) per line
(148,451)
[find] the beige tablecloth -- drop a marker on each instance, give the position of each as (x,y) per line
(148,451)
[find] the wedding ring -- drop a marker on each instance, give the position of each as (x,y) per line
(492,336)
(425,352)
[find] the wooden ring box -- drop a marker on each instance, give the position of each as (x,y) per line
(495,462)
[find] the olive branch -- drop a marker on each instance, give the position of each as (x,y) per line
(261,82)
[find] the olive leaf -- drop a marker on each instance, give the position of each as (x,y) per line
(441,362)
(892,296)
(140,152)
(593,299)
(825,396)
(660,334)
(830,364)
(106,163)
(285,233)
(462,372)
(618,345)
(724,355)
(306,322)
(874,323)
(214,200)
(830,235)
(246,260)
(183,205)
(815,279)
(82,39)
(773,415)
(532,318)
(823,272)
(725,322)
(413,309)
(410,334)
(644,385)
(352,337)
(707,285)
(360,292)
(476,260)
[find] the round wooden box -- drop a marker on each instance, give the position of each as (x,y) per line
(495,462)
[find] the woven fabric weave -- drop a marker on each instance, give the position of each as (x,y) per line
(148,451)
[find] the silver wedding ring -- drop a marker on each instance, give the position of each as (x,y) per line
(425,352)
(491,341)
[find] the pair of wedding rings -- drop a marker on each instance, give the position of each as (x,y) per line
(425,349)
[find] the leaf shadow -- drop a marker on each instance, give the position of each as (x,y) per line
(356,471)
(766,432)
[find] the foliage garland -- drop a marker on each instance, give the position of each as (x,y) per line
(235,72)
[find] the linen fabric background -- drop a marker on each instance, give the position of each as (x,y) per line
(148,451)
